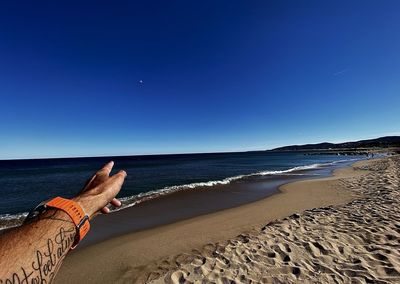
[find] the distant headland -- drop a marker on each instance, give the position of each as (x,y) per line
(387,144)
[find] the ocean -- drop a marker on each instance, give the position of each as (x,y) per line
(25,183)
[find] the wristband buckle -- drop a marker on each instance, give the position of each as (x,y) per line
(72,209)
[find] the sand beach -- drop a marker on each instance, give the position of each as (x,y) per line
(200,142)
(340,229)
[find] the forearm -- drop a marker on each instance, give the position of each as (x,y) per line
(34,252)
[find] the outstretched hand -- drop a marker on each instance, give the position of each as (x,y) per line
(100,191)
(33,252)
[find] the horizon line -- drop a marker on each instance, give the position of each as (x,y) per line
(184,153)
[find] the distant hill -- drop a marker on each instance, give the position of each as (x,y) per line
(382,142)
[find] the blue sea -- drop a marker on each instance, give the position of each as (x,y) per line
(25,183)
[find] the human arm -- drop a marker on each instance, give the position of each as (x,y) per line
(34,252)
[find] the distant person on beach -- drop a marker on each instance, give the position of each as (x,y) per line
(34,252)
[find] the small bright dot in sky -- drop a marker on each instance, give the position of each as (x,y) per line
(278,70)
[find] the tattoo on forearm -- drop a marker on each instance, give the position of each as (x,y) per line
(46,261)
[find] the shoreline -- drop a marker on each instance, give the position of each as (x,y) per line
(233,191)
(188,204)
(128,257)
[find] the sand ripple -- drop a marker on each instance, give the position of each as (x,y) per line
(355,243)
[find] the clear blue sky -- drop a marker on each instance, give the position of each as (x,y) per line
(91,78)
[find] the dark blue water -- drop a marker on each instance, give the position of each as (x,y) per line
(24,183)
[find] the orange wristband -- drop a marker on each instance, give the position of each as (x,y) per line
(78,216)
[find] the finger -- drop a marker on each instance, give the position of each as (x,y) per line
(119,177)
(115,202)
(106,169)
(102,174)
(105,210)
(88,183)
(114,185)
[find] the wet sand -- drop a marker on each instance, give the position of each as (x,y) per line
(358,242)
(183,205)
(190,203)
(157,253)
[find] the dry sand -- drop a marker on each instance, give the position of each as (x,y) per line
(356,242)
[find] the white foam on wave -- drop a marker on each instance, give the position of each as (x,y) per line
(12,220)
(136,199)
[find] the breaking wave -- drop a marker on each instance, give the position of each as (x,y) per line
(136,199)
(13,220)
